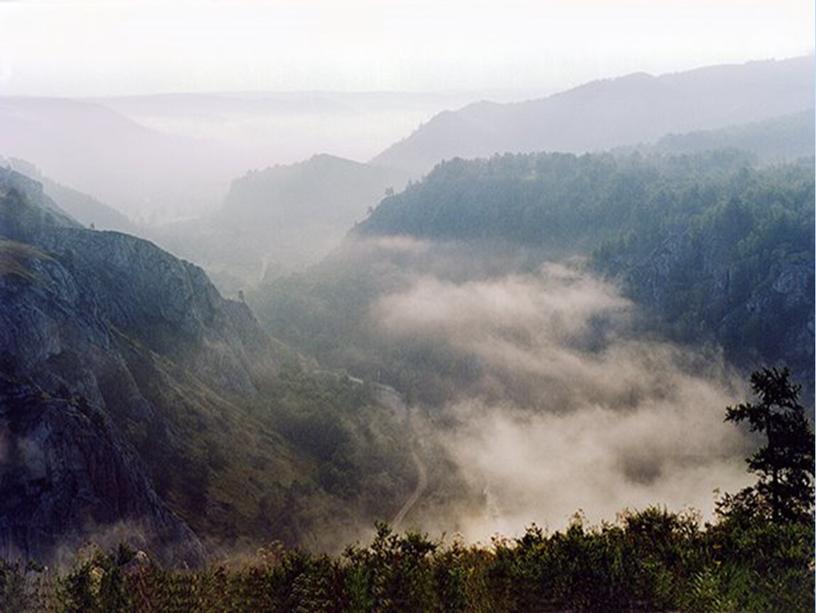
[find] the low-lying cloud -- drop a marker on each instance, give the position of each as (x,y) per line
(573,410)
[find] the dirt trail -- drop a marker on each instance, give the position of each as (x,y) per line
(422,483)
(392,398)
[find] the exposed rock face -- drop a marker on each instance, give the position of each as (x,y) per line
(761,314)
(168,304)
(65,476)
(105,280)
(105,341)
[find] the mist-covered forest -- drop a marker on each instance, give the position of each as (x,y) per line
(307,328)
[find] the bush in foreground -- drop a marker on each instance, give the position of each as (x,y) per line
(652,560)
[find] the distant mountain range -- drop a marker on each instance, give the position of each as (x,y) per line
(612,112)
(98,151)
(166,157)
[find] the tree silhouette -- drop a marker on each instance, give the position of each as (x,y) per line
(785,463)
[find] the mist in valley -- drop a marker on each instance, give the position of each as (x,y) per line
(571,411)
(271,274)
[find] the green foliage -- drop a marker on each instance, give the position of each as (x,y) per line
(21,586)
(651,560)
(555,200)
(716,249)
(97,583)
(785,464)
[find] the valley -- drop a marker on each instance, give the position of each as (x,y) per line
(494,366)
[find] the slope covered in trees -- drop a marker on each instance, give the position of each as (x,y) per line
(773,140)
(715,249)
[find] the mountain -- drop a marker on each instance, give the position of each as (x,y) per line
(256,128)
(115,159)
(332,189)
(610,113)
(66,472)
(81,207)
(773,140)
(165,157)
(712,249)
(139,404)
(280,218)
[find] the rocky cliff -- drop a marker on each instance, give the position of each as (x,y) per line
(722,284)
(109,347)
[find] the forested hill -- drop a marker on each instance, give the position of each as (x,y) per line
(717,249)
(327,188)
(611,113)
(555,201)
(778,139)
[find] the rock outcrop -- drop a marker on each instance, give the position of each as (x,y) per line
(761,313)
(67,477)
(107,345)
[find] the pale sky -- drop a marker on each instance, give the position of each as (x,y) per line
(80,48)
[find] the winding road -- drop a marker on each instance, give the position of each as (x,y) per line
(392,399)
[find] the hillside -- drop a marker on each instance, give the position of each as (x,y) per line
(107,329)
(716,251)
(610,113)
(82,207)
(280,218)
(100,152)
(331,189)
(772,140)
(165,157)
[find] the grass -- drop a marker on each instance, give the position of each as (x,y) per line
(16,259)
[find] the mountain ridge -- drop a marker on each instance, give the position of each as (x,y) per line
(611,112)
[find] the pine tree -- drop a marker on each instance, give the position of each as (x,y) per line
(785,463)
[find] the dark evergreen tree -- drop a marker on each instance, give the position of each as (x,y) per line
(785,463)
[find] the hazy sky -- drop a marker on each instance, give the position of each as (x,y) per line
(64,47)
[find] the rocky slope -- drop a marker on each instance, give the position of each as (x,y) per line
(96,330)
(703,287)
(201,424)
(66,474)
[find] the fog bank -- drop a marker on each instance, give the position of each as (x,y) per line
(573,411)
